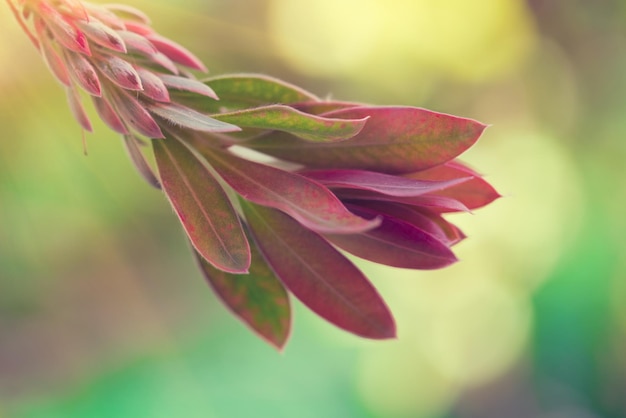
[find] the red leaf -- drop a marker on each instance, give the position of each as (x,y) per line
(259,299)
(395,243)
(438,203)
(474,193)
(394,140)
(308,202)
(317,274)
(377,182)
(202,206)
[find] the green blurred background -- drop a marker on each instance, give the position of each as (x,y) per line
(103,314)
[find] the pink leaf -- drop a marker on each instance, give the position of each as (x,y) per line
(317,274)
(259,299)
(394,140)
(395,243)
(128,12)
(103,35)
(105,16)
(139,160)
(432,201)
(108,115)
(202,206)
(176,52)
(119,72)
(64,30)
(134,114)
(474,193)
(77,109)
(137,44)
(188,84)
(84,73)
(378,182)
(308,202)
(52,59)
(153,86)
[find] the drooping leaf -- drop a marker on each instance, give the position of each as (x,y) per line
(77,108)
(202,206)
(288,119)
(378,182)
(474,193)
(310,203)
(189,118)
(244,91)
(258,298)
(317,274)
(394,140)
(139,160)
(395,243)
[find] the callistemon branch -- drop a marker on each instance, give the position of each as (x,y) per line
(268,181)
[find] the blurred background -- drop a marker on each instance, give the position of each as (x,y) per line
(103,314)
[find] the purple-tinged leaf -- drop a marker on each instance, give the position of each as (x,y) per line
(137,44)
(176,52)
(84,73)
(202,206)
(474,193)
(244,91)
(302,125)
(128,12)
(153,86)
(395,243)
(259,299)
(188,84)
(119,72)
(189,118)
(64,30)
(382,183)
(139,160)
(134,114)
(108,115)
(102,35)
(320,276)
(394,140)
(53,60)
(306,201)
(76,106)
(421,218)
(431,201)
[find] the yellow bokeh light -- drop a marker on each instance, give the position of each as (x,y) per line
(454,37)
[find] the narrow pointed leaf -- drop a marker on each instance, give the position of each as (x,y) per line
(84,73)
(474,193)
(119,72)
(188,84)
(321,107)
(105,16)
(65,32)
(102,35)
(53,60)
(189,118)
(134,114)
(76,106)
(432,201)
(394,140)
(317,274)
(139,160)
(202,206)
(308,202)
(395,243)
(128,12)
(138,28)
(378,182)
(136,43)
(108,115)
(258,298)
(153,86)
(176,52)
(287,119)
(245,91)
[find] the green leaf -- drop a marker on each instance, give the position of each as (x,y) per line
(242,91)
(394,140)
(288,119)
(259,299)
(189,118)
(202,207)
(319,275)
